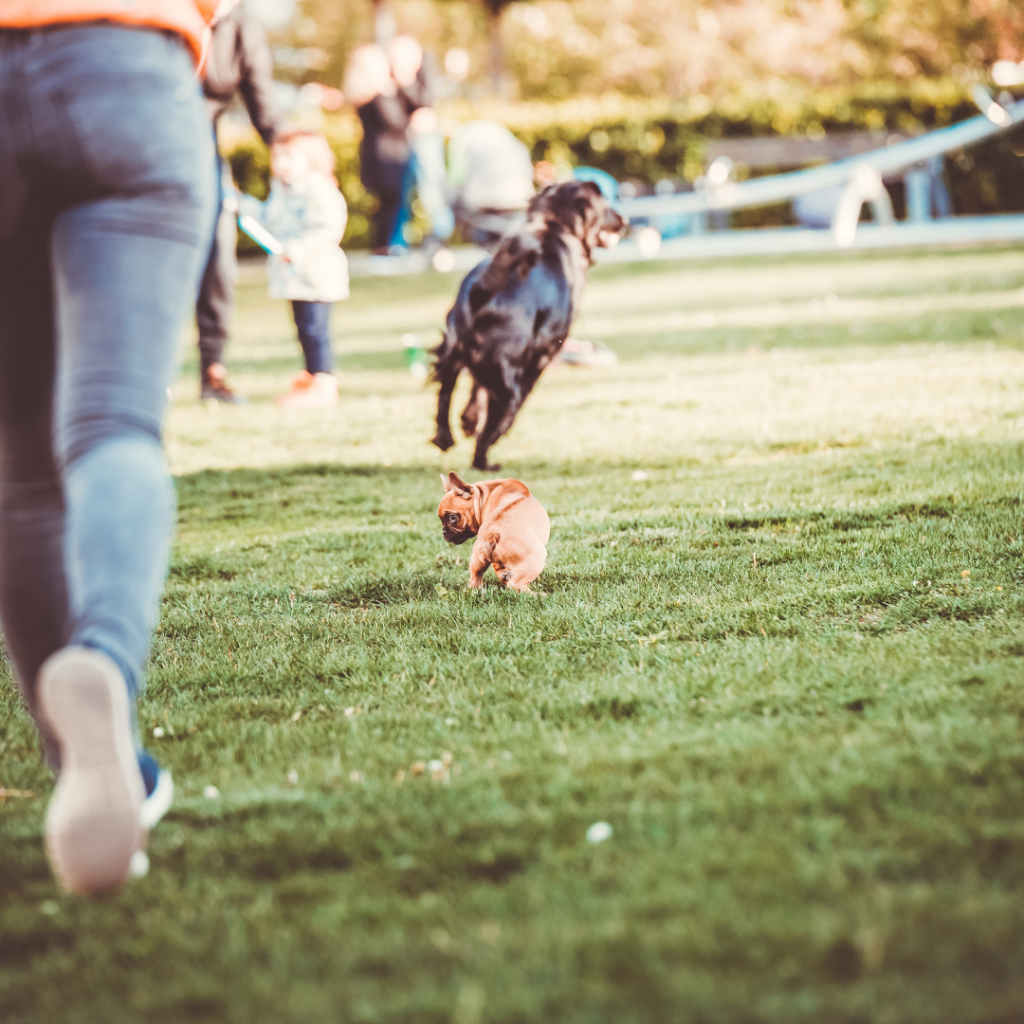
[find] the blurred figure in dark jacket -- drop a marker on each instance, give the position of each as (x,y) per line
(238,60)
(385,152)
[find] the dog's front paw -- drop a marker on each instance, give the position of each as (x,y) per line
(443,440)
(476,583)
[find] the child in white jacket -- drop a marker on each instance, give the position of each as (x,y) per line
(306,213)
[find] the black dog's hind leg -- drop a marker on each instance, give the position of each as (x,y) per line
(473,416)
(447,376)
(502,409)
(501,412)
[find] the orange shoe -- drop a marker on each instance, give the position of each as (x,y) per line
(311,391)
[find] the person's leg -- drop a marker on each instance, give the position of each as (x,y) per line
(404,215)
(389,193)
(129,156)
(313,322)
(301,316)
(33,595)
(317,388)
(216,301)
(117,353)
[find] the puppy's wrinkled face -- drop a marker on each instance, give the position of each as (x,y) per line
(455,525)
(456,511)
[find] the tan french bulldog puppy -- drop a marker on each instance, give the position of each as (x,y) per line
(509,523)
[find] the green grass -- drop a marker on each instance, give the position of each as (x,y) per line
(786,667)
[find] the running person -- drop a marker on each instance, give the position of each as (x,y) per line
(106,202)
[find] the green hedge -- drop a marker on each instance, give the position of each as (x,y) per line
(648,141)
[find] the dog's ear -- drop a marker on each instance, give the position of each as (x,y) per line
(444,483)
(457,485)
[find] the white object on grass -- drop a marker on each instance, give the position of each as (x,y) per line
(158,732)
(211,793)
(639,475)
(260,235)
(293,777)
(158,803)
(599,832)
(138,867)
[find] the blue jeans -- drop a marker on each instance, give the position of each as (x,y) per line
(313,320)
(106,196)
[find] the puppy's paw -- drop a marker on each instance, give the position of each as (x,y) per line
(475,583)
(443,441)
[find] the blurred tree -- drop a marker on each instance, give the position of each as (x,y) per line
(496,49)
(553,49)
(496,61)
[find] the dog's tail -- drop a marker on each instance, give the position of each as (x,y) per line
(442,354)
(519,253)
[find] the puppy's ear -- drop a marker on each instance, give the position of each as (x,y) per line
(444,483)
(457,485)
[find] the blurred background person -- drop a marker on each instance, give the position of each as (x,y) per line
(490,180)
(426,173)
(306,213)
(101,246)
(238,60)
(384,153)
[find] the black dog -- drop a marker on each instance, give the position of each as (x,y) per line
(514,310)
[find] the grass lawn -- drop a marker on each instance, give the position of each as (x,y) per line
(778,648)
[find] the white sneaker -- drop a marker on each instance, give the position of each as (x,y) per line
(157,803)
(94,821)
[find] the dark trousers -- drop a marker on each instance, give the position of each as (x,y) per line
(313,320)
(387,184)
(105,200)
(217,290)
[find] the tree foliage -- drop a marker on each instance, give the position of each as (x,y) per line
(561,48)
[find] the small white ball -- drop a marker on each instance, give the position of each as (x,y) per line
(139,865)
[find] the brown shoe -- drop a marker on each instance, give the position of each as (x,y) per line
(214,386)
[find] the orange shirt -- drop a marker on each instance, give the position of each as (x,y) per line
(188,18)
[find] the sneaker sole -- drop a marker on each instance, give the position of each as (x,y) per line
(93,823)
(158,803)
